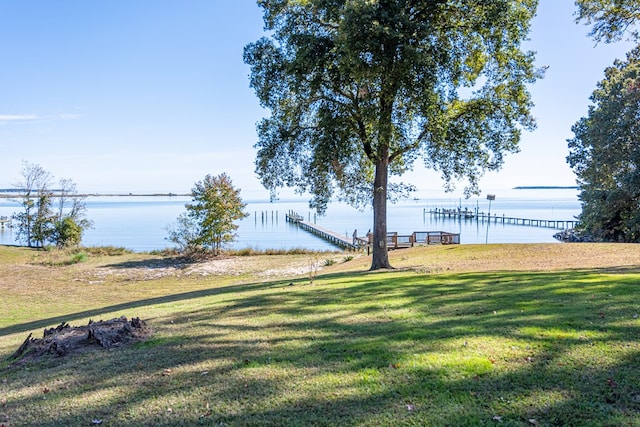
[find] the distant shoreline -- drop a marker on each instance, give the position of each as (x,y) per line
(18,195)
(547,187)
(15,194)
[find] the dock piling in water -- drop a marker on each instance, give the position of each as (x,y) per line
(5,221)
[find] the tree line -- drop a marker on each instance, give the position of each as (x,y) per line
(49,216)
(57,216)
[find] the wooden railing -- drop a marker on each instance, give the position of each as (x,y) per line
(398,241)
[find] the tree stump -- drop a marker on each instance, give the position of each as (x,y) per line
(66,339)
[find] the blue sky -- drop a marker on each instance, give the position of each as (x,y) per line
(152,95)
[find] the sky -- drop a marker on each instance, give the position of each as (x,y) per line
(150,96)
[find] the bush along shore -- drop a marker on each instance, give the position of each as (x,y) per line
(572,236)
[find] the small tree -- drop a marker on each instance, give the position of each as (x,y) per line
(184,234)
(69,221)
(67,232)
(210,218)
(36,198)
(44,221)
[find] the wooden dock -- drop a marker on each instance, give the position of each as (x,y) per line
(5,221)
(328,235)
(394,240)
(465,214)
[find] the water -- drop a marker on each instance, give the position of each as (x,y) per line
(140,223)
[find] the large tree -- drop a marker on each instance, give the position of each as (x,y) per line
(359,89)
(611,19)
(604,152)
(605,155)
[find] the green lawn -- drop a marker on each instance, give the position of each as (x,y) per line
(355,348)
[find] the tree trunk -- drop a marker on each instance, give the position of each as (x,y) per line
(380,252)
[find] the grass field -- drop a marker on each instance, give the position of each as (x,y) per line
(465,335)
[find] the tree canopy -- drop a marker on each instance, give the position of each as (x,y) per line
(360,89)
(605,155)
(611,19)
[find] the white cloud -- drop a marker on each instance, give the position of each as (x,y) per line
(17,117)
(6,118)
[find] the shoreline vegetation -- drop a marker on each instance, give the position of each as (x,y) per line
(513,334)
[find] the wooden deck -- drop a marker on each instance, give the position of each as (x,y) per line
(482,217)
(394,240)
(5,221)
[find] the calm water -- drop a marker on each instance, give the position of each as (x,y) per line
(140,223)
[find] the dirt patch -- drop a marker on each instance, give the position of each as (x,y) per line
(262,266)
(65,339)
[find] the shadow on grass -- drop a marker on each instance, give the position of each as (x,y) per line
(367,349)
(183,296)
(152,263)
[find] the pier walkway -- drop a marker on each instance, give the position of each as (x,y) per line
(394,240)
(481,216)
(328,235)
